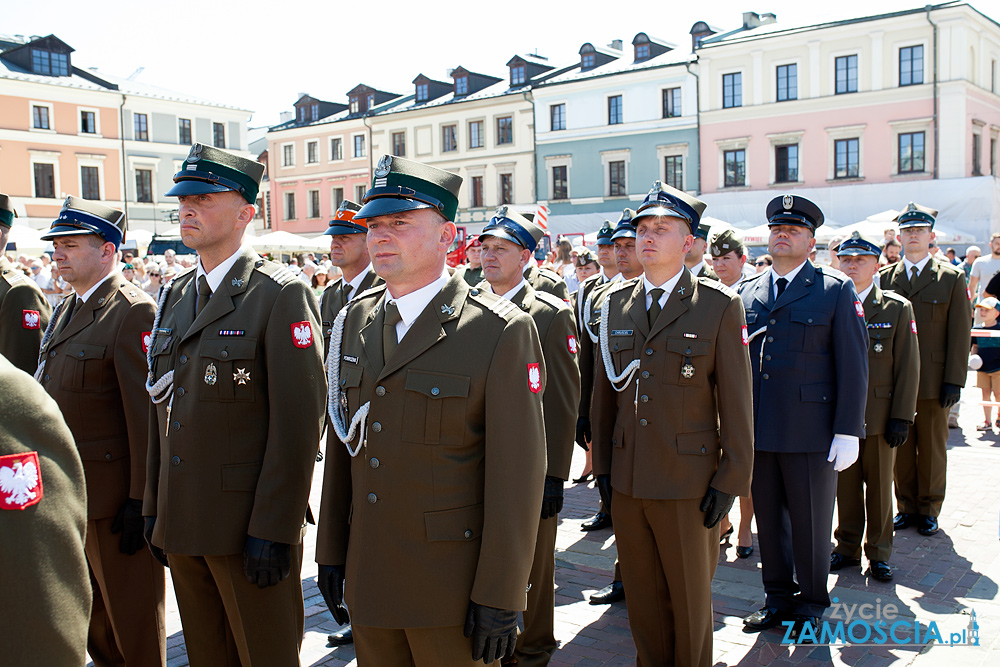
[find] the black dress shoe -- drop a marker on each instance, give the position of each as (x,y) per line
(764,619)
(615,592)
(840,561)
(724,537)
(744,552)
(927,525)
(344,636)
(799,626)
(880,570)
(599,521)
(586,478)
(904,520)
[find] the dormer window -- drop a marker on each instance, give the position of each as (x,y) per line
(587,61)
(462,85)
(49,63)
(641,52)
(355,104)
(517,77)
(371,102)
(315,111)
(422,92)
(301,115)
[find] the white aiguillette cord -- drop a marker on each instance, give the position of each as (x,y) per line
(335,393)
(633,365)
(49,330)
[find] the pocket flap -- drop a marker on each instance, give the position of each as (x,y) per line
(810,318)
(85,351)
(689,347)
(162,345)
(883,392)
(240,477)
(703,442)
(618,343)
(816,393)
(437,385)
(350,375)
(461,524)
(225,349)
(933,297)
(751,317)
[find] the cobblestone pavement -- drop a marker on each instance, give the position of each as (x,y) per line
(939,579)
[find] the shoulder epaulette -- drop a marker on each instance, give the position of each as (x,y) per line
(895,296)
(375,291)
(497,305)
(131,293)
(713,284)
(837,275)
(276,272)
(13,277)
(551,300)
(550,274)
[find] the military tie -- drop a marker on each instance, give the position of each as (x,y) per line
(782,283)
(654,307)
(77,305)
(389,340)
(913,275)
(345,293)
(204,294)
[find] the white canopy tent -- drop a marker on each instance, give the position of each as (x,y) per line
(26,239)
(280,241)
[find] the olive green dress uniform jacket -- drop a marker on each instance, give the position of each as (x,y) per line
(585,358)
(20,334)
(545,280)
(707,272)
(333,300)
(235,455)
(95,369)
(441,504)
(671,436)
(943,315)
(46,582)
(893,360)
(472,276)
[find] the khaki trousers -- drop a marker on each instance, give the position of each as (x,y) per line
(537,643)
(668,559)
(922,461)
(413,647)
(866,489)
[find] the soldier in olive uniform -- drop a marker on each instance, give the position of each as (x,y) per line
(694,259)
(672,431)
(236,377)
(943,314)
(893,378)
(93,363)
(430,509)
(473,271)
(508,243)
(24,310)
(43,524)
(545,280)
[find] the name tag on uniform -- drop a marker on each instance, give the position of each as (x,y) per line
(349,359)
(690,335)
(163,331)
(621,332)
(880,325)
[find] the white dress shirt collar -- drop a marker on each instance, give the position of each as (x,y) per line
(411,305)
(216,275)
(667,288)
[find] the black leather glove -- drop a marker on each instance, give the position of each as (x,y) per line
(604,486)
(552,497)
(129,523)
(331,584)
(493,632)
(715,505)
(950,393)
(583,434)
(147,532)
(265,563)
(896,431)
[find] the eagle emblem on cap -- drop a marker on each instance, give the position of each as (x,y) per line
(657,186)
(787,202)
(855,236)
(195,153)
(501,212)
(66,203)
(384,166)
(911,207)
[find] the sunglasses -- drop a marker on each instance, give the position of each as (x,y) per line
(761,263)
(154,275)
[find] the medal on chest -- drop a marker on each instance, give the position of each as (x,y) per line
(878,346)
(687,370)
(211,375)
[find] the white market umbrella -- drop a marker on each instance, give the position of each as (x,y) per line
(25,238)
(280,241)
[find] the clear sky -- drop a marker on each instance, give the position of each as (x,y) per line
(260,55)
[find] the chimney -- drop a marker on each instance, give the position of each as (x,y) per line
(750,20)
(286,116)
(616,44)
(767,19)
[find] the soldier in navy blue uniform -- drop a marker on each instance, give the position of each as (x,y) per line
(809,353)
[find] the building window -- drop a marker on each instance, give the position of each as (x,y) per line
(40,118)
(846,158)
(506,189)
(141,127)
(671,102)
(355,105)
(736,168)
(359,192)
(673,169)
(505,130)
(315,111)
(557,117)
(267,210)
(732,90)
(616,178)
(88,122)
(587,61)
(337,197)
(641,52)
(90,183)
(788,82)
(449,138)
(422,92)
(462,85)
(371,102)
(314,203)
(288,155)
(477,138)
(336,149)
(218,135)
(312,152)
(48,63)
(517,75)
(615,110)
(786,163)
(477,191)
(993,76)
(300,114)
(560,182)
(993,156)
(399,144)
(144,185)
(911,152)
(45,182)
(911,65)
(359,145)
(289,206)
(977,159)
(847,74)
(184,131)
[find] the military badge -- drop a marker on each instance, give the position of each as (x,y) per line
(211,375)
(31,319)
(20,481)
(501,212)
(237,282)
(195,153)
(571,344)
(878,347)
(383,167)
(447,310)
(241,376)
(147,340)
(302,335)
(787,202)
(746,337)
(859,309)
(534,378)
(687,370)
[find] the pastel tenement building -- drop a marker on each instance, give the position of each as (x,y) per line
(69,130)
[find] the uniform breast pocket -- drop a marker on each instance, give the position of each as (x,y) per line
(687,362)
(434,408)
(809,331)
(880,347)
(84,367)
(621,351)
(230,371)
(350,387)
(936,304)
